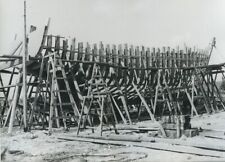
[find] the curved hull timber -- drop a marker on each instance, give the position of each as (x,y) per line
(158,74)
(141,81)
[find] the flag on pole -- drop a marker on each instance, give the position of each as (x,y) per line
(32,28)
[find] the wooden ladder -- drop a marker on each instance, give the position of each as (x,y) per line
(99,101)
(59,90)
(38,83)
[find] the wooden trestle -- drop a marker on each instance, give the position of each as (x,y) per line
(80,84)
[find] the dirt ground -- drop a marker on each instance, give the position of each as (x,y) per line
(38,146)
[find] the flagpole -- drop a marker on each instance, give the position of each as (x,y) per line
(25,72)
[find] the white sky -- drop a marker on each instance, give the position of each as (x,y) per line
(139,22)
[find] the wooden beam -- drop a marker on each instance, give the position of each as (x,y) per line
(10,64)
(147,145)
(148,109)
(14,104)
(191,102)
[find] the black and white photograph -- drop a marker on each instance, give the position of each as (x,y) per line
(112,80)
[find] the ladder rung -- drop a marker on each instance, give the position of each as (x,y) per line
(59,65)
(81,85)
(68,91)
(65,117)
(198,97)
(96,114)
(60,78)
(43,103)
(90,113)
(97,84)
(63,104)
(39,91)
(161,100)
(100,93)
(35,84)
(51,71)
(97,76)
(88,97)
(97,96)
(110,114)
(94,102)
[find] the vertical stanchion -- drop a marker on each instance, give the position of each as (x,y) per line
(25,73)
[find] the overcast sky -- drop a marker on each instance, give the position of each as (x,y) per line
(138,22)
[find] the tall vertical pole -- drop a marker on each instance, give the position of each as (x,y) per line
(192,93)
(25,72)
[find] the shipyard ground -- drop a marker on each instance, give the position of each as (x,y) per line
(38,146)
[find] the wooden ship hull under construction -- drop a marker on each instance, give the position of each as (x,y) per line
(97,84)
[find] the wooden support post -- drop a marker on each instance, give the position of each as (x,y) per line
(7,116)
(113,111)
(25,72)
(52,102)
(156,90)
(121,114)
(212,92)
(144,102)
(125,107)
(191,102)
(156,97)
(57,117)
(208,90)
(178,124)
(81,115)
(167,102)
(148,109)
(101,117)
(72,49)
(192,91)
(153,57)
(137,61)
(14,104)
(219,95)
